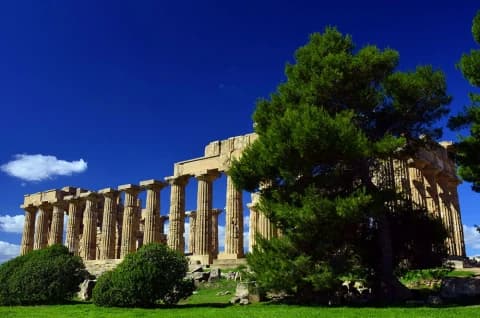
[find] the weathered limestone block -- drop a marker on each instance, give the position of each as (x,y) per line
(86,289)
(458,288)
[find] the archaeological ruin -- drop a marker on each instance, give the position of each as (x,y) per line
(103,227)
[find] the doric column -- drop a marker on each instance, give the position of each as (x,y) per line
(214,231)
(42,226)
(56,229)
(459,240)
(88,247)
(430,177)
(402,178)
(28,229)
(152,210)
(202,250)
(73,224)
(417,183)
(192,219)
(445,211)
(107,247)
(233,223)
(253,227)
(130,219)
(176,240)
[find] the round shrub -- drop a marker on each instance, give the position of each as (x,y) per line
(153,274)
(46,276)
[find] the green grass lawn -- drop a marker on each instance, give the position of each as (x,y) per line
(206,303)
(257,310)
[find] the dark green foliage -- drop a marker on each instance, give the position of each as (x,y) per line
(468,156)
(418,239)
(154,273)
(340,113)
(47,276)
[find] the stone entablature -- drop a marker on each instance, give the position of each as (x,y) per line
(102,227)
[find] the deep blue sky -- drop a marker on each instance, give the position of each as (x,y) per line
(132,87)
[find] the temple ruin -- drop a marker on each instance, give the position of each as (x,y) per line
(103,227)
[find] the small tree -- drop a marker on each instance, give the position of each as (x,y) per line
(155,273)
(50,275)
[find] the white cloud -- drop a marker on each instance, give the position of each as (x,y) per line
(472,237)
(8,251)
(41,167)
(11,224)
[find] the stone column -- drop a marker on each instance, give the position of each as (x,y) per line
(42,226)
(253,227)
(459,240)
(88,247)
(192,216)
(107,243)
(202,250)
(233,223)
(130,219)
(445,211)
(417,183)
(402,178)
(214,231)
(56,229)
(73,224)
(430,176)
(152,210)
(176,240)
(28,229)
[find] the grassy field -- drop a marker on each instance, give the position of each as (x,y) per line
(206,303)
(220,311)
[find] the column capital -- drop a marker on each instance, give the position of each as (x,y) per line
(130,188)
(29,208)
(178,180)
(109,192)
(208,175)
(92,196)
(152,184)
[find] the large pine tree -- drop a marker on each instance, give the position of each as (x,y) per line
(322,135)
(468,149)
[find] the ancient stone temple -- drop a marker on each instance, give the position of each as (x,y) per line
(101,226)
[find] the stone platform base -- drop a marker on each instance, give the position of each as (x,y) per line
(200,259)
(98,267)
(225,256)
(229,263)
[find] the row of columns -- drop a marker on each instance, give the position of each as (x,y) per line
(123,226)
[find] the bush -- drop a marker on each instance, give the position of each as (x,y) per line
(153,274)
(50,275)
